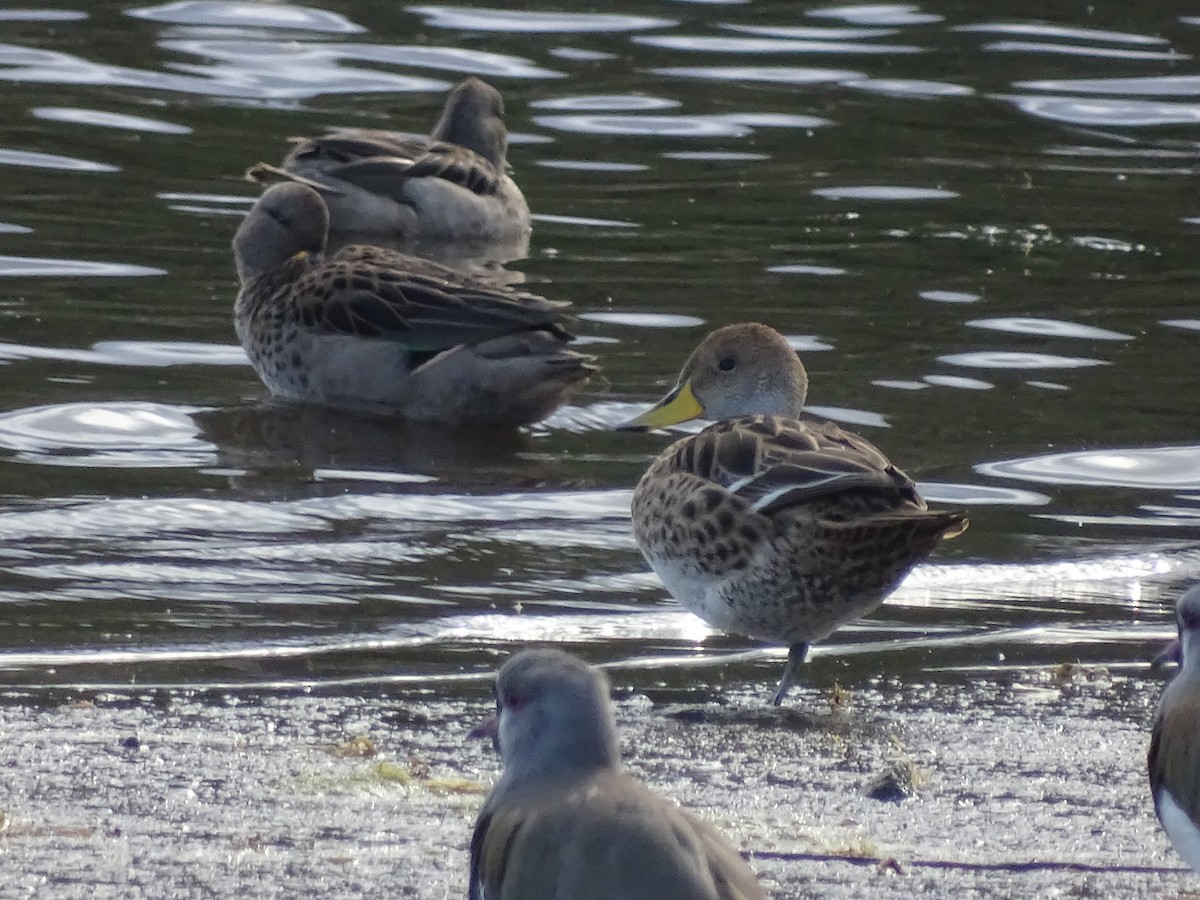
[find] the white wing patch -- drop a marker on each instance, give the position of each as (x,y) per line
(814,483)
(741,483)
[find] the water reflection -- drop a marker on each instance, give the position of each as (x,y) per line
(1104,113)
(910,87)
(644,319)
(880,14)
(1158,468)
(1048,328)
(336,445)
(971,495)
(530,22)
(262,69)
(1078,50)
(751,45)
(796,75)
(132,353)
(680,638)
(883,192)
(34,160)
(101,119)
(105,435)
(688,165)
(648,126)
(1008,359)
(30,267)
(42,15)
(949,296)
(1044,30)
(806,269)
(218,14)
(606,103)
(1151,86)
(958,381)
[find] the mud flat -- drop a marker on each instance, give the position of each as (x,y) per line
(1026,784)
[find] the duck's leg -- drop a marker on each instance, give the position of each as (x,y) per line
(796,656)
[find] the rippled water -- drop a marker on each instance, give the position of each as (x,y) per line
(978,229)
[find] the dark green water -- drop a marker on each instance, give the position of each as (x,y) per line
(980,229)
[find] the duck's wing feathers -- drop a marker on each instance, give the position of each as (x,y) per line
(355,144)
(611,837)
(267,174)
(1174,757)
(386,175)
(380,162)
(313,159)
(775,463)
(369,292)
(463,167)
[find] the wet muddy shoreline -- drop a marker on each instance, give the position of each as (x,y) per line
(1028,785)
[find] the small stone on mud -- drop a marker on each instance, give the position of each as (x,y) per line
(898,783)
(359,746)
(691,716)
(405,716)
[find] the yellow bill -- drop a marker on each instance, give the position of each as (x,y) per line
(678,406)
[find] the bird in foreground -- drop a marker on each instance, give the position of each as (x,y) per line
(1174,758)
(770,523)
(401,189)
(367,327)
(564,823)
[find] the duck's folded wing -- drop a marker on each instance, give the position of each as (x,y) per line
(387,176)
(776,463)
(1174,757)
(476,888)
(630,847)
(265,173)
(424,312)
(356,144)
(463,167)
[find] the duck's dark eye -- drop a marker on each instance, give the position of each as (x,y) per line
(514,702)
(726,364)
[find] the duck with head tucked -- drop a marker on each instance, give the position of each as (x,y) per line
(769,523)
(370,328)
(1174,758)
(565,823)
(406,190)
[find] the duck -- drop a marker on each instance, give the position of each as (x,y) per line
(416,192)
(1174,757)
(370,328)
(564,820)
(772,523)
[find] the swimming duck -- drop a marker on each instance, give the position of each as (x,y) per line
(372,328)
(770,523)
(564,821)
(404,190)
(1174,758)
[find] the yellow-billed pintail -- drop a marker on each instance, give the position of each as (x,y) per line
(771,523)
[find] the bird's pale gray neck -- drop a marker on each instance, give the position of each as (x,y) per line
(1189,654)
(559,740)
(782,395)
